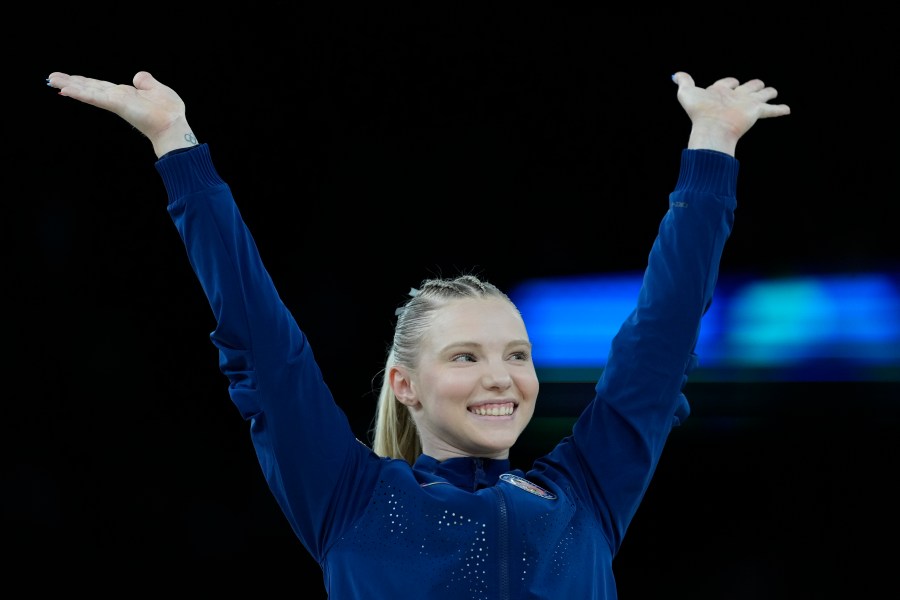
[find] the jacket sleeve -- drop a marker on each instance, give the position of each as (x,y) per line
(618,439)
(302,439)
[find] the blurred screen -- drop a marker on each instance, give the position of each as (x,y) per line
(838,327)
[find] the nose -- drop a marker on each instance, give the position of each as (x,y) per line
(496,375)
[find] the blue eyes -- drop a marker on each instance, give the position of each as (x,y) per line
(469,357)
(463,357)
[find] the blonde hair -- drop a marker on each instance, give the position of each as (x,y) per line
(394,431)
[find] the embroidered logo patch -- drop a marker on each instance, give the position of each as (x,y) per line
(526,485)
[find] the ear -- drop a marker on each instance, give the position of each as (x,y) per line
(402,386)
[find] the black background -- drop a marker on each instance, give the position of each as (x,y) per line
(369,149)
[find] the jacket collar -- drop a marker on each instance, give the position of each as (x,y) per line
(467,473)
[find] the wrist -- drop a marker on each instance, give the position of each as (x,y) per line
(174,138)
(713,137)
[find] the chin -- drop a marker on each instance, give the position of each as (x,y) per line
(495,448)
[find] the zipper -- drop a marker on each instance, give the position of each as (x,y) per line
(502,544)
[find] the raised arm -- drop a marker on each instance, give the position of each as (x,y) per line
(620,436)
(302,439)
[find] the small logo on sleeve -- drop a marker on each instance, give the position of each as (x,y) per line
(526,485)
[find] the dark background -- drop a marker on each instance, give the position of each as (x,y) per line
(369,149)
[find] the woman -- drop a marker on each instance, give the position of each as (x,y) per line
(435,509)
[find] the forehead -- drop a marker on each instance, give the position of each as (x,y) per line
(474,318)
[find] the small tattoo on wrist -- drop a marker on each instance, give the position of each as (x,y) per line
(191,138)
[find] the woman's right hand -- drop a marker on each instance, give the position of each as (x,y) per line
(149,106)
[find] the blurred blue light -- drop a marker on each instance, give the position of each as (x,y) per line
(805,327)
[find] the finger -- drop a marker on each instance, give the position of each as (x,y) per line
(76,85)
(56,78)
(752,85)
(728,82)
(60,80)
(774,110)
(682,79)
(766,93)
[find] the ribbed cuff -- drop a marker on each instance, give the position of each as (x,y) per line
(708,171)
(184,173)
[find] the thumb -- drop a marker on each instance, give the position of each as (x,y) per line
(144,80)
(682,79)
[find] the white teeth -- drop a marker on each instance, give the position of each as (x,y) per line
(496,410)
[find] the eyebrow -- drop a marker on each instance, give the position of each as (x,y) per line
(468,344)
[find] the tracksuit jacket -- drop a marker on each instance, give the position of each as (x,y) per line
(464,528)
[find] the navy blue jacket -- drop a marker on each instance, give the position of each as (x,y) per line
(465,528)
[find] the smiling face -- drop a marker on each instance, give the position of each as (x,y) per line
(474,388)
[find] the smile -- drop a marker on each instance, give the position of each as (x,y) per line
(494,410)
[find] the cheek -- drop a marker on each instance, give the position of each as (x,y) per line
(528,385)
(451,384)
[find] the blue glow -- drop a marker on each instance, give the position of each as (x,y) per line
(806,327)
